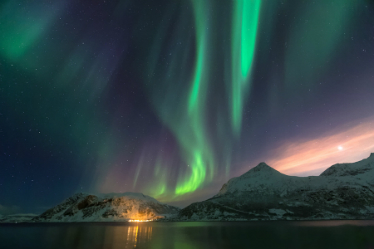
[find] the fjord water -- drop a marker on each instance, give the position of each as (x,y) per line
(259,234)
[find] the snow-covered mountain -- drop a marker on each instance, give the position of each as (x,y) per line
(16,218)
(343,191)
(109,207)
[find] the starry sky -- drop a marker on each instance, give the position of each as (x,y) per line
(172,98)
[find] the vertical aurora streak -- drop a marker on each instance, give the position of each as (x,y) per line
(200,157)
(244,30)
(189,120)
(160,173)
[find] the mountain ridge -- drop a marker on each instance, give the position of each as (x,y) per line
(82,207)
(343,191)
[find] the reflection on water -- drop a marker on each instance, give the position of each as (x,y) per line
(334,223)
(135,233)
(184,235)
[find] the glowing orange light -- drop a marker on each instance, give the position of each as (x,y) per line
(140,220)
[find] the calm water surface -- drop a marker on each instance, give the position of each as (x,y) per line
(275,234)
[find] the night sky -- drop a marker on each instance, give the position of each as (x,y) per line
(172,98)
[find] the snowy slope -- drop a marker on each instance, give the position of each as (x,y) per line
(107,207)
(17,218)
(353,169)
(343,191)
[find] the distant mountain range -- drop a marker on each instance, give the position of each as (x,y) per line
(16,218)
(109,207)
(343,191)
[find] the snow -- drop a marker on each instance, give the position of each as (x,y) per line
(278,212)
(16,218)
(264,179)
(340,192)
(107,207)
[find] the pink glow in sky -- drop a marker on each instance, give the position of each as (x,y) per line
(303,158)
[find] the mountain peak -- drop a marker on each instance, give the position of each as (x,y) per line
(262,167)
(262,164)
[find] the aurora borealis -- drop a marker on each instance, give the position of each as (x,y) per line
(173,98)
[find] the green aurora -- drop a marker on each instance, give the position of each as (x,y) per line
(170,98)
(188,119)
